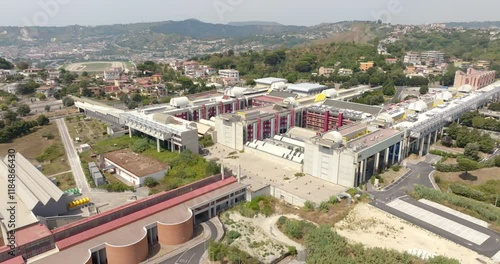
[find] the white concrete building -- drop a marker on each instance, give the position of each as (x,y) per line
(112,75)
(134,168)
(229,73)
(306,89)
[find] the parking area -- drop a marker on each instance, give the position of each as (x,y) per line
(440,222)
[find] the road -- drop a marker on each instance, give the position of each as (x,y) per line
(73,158)
(194,254)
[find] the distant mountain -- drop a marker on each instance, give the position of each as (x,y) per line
(475,24)
(254,23)
(198,29)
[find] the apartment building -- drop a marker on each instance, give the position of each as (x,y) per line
(230,73)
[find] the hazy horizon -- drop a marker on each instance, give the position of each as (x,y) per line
(314,12)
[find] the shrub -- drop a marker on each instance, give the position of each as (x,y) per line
(324,207)
(140,145)
(437,179)
(231,236)
(333,200)
(466,191)
(309,206)
(47,135)
(497,161)
(352,191)
(292,250)
(396,168)
(150,182)
(281,221)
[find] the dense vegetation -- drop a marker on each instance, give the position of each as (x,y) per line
(476,120)
(260,205)
(11,127)
(295,229)
(5,64)
(325,246)
(494,106)
(463,136)
(229,254)
(188,167)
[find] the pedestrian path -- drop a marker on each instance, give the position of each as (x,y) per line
(496,257)
(440,222)
(455,213)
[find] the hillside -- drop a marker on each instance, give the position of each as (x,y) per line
(476,24)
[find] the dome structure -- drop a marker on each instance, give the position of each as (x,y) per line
(465,88)
(334,136)
(446,96)
(418,106)
(236,92)
(278,86)
(386,118)
(179,102)
(330,93)
(290,101)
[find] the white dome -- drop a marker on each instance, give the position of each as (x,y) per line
(179,101)
(290,101)
(334,136)
(385,117)
(236,92)
(330,93)
(418,106)
(278,86)
(446,96)
(465,88)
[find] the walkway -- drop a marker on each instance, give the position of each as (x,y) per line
(73,158)
(468,234)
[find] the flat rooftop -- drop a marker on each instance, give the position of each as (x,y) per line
(271,173)
(373,138)
(269,99)
(137,164)
(369,109)
(77,247)
(270,80)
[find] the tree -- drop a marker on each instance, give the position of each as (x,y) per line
(47,108)
(467,165)
(424,89)
(389,89)
(57,95)
(5,64)
(497,161)
(68,101)
(132,105)
(140,145)
(22,65)
(136,97)
(86,92)
(42,120)
(28,87)
(250,82)
(447,141)
(471,151)
(151,182)
(23,109)
(10,116)
(85,74)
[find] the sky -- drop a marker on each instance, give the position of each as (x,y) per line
(289,12)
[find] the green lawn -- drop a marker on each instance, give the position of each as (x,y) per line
(65,181)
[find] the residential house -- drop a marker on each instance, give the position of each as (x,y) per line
(364,66)
(326,71)
(112,75)
(345,72)
(230,73)
(391,60)
(46,90)
(156,78)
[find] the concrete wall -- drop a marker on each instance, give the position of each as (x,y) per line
(158,175)
(283,162)
(131,254)
(190,140)
(287,197)
(332,165)
(176,234)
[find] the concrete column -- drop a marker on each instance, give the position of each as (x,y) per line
(393,159)
(421,150)
(377,161)
(130,132)
(428,144)
(436,137)
(222,170)
(364,170)
(400,153)
(158,145)
(386,158)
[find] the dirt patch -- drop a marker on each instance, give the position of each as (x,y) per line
(335,213)
(87,130)
(372,227)
(65,181)
(252,237)
(33,144)
(481,176)
(390,176)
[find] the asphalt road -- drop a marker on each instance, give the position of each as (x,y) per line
(73,158)
(194,254)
